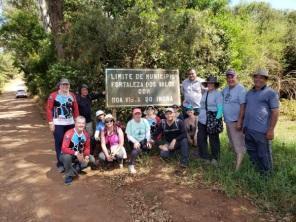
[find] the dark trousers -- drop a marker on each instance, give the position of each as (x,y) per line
(58,134)
(181,145)
(259,150)
(202,143)
(72,165)
(135,153)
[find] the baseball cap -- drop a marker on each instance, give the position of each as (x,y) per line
(100,112)
(230,72)
(84,86)
(137,110)
(64,81)
(169,109)
(189,107)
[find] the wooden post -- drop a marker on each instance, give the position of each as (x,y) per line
(114,113)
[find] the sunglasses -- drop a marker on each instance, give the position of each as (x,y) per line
(109,121)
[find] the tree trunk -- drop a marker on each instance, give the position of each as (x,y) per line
(55,12)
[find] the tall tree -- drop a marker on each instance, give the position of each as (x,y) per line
(56,16)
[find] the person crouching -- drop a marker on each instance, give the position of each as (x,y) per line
(112,141)
(75,150)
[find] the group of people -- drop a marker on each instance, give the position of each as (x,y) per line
(250,118)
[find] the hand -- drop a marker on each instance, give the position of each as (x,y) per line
(172,144)
(109,158)
(239,125)
(137,146)
(86,159)
(270,134)
(51,127)
(80,157)
(149,146)
(195,141)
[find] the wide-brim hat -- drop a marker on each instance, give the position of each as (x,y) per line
(109,116)
(261,72)
(211,79)
(100,112)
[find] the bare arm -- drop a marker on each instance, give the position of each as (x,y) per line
(273,121)
(121,137)
(239,124)
(103,144)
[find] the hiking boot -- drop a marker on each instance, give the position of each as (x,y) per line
(68,180)
(131,169)
(61,169)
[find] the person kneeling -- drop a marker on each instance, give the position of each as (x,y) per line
(75,150)
(175,137)
(112,140)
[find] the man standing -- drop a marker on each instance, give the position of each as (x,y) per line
(75,150)
(84,100)
(62,108)
(261,116)
(234,99)
(175,137)
(192,90)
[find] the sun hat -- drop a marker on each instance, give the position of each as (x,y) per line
(211,79)
(261,72)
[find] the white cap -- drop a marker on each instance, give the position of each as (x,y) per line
(100,112)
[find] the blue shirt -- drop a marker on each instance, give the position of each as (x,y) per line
(138,130)
(259,104)
(100,126)
(232,99)
(214,100)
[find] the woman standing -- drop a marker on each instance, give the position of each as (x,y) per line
(112,141)
(62,108)
(211,112)
(152,118)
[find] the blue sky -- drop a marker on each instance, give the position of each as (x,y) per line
(278,4)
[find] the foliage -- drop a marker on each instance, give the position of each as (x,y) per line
(7,70)
(206,35)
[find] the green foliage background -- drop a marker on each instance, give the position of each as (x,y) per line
(206,35)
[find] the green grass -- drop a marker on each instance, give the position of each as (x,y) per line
(274,193)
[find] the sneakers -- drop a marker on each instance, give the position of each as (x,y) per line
(68,180)
(131,169)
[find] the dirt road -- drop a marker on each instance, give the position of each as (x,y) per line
(31,189)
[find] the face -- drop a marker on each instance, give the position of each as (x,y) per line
(211,86)
(191,75)
(231,80)
(150,111)
(259,81)
(137,116)
(84,91)
(190,112)
(65,87)
(101,117)
(80,124)
(170,116)
(109,123)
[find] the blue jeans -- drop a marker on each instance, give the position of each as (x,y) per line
(259,150)
(58,134)
(181,145)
